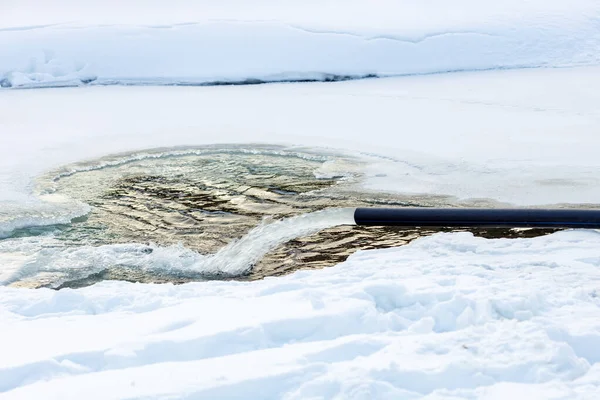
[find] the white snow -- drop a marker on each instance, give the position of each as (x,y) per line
(194,42)
(449,316)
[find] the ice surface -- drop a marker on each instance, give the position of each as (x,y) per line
(523,137)
(526,137)
(204,42)
(449,316)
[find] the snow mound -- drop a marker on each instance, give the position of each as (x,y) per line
(448,316)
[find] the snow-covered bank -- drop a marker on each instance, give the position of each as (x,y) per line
(449,316)
(159,43)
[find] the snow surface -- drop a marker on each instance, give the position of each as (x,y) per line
(194,42)
(446,317)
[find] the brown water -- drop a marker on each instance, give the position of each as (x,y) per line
(204,198)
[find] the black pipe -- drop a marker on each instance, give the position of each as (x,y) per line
(478,217)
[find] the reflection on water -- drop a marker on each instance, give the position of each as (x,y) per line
(204,198)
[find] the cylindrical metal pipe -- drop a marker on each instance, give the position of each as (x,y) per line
(479,217)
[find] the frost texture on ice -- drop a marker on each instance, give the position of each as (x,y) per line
(448,316)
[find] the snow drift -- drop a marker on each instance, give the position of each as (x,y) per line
(449,316)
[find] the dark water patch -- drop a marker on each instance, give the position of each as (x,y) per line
(332,246)
(205,198)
